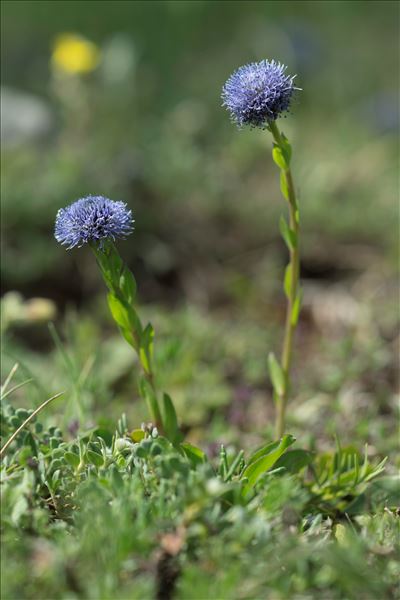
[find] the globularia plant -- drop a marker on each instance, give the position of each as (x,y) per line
(256,95)
(98,222)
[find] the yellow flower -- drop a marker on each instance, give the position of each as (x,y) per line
(72,53)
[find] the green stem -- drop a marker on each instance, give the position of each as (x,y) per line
(153,403)
(294,266)
(117,276)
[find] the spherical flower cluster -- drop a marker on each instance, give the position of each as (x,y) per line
(258,92)
(92,219)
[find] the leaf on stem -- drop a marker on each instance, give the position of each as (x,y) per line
(195,455)
(287,280)
(256,469)
(296,308)
(276,374)
(127,283)
(148,394)
(115,263)
(284,185)
(288,234)
(170,421)
(125,317)
(118,311)
(94,458)
(146,347)
(279,157)
(262,452)
(294,460)
(286,147)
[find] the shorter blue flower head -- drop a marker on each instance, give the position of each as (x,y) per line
(258,93)
(92,219)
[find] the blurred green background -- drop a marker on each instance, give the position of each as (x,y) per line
(146,126)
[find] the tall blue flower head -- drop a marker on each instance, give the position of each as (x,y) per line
(92,219)
(258,92)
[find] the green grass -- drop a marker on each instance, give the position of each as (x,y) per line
(102,516)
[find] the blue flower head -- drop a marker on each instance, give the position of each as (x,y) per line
(92,219)
(258,93)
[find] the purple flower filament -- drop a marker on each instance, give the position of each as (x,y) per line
(257,93)
(92,219)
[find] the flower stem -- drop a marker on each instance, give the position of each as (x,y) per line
(122,292)
(152,402)
(292,275)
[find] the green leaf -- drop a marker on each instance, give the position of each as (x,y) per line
(105,435)
(115,263)
(288,234)
(375,471)
(284,185)
(146,390)
(195,455)
(170,421)
(256,469)
(146,347)
(125,317)
(287,280)
(95,458)
(279,157)
(119,311)
(127,283)
(237,461)
(287,148)
(110,263)
(294,460)
(127,335)
(262,452)
(276,374)
(296,307)
(147,393)
(102,258)
(144,360)
(72,459)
